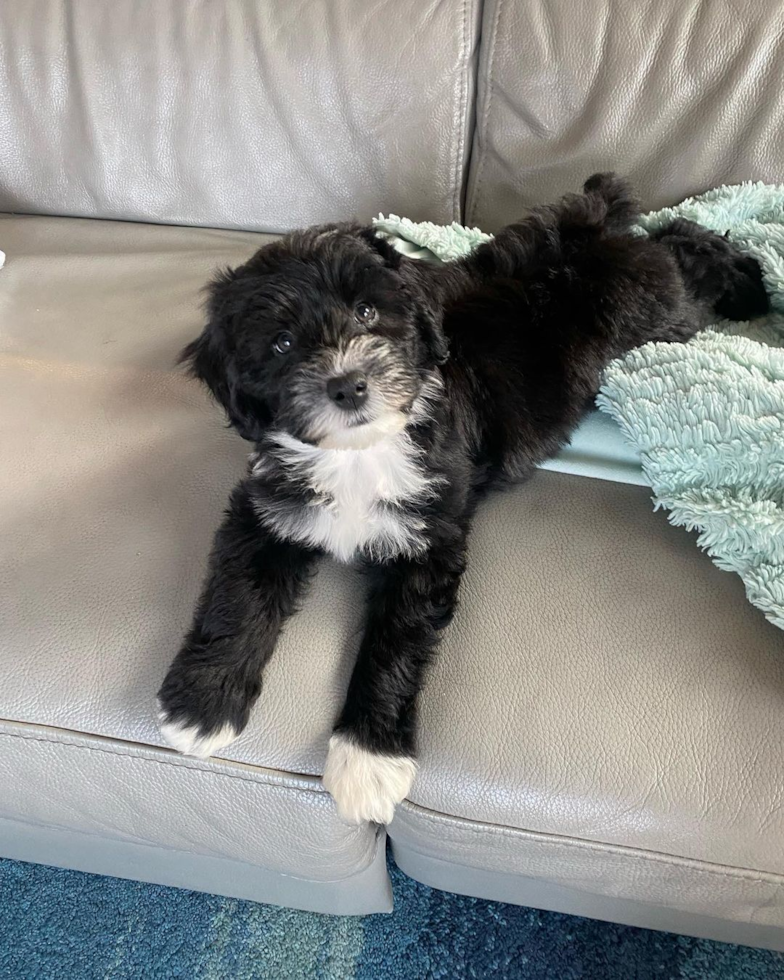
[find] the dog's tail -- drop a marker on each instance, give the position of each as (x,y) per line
(611,197)
(715,271)
(607,203)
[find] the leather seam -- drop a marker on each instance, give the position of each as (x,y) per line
(659,857)
(472,218)
(256,781)
(461,109)
(52,828)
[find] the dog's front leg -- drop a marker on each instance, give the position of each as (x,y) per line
(371,761)
(252,586)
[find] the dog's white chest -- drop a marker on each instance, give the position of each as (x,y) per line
(364,498)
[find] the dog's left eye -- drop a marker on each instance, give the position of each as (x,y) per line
(364,313)
(283,343)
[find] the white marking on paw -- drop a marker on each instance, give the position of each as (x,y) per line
(366,785)
(186,739)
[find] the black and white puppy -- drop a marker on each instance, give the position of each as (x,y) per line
(382,395)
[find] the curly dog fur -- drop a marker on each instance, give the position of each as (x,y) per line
(383,395)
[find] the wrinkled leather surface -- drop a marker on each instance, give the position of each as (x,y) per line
(603,870)
(617,884)
(605,683)
(236,113)
(681,95)
(284,824)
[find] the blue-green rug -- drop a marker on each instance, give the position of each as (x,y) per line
(64,925)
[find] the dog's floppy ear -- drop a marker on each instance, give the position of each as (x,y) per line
(211,361)
(431,330)
(212,364)
(429,318)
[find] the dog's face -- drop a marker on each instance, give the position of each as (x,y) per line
(323,335)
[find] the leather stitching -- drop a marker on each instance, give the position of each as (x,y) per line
(52,829)
(473,218)
(691,864)
(771,878)
(257,781)
(462,112)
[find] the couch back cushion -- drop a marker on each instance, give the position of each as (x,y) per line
(239,113)
(679,94)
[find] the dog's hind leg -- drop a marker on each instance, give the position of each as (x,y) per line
(719,277)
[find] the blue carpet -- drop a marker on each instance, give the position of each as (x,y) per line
(64,925)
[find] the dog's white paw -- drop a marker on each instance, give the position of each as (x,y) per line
(366,785)
(186,738)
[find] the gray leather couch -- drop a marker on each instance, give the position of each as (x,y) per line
(603,732)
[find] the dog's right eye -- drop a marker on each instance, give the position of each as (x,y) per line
(364,313)
(283,343)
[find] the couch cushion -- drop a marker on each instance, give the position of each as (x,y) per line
(603,682)
(679,96)
(112,807)
(238,113)
(116,468)
(607,712)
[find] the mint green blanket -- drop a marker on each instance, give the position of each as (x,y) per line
(706,419)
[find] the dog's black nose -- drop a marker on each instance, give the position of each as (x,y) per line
(349,391)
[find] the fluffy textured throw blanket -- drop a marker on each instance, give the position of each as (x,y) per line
(707,417)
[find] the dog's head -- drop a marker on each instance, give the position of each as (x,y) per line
(323,334)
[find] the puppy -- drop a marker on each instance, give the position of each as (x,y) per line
(383,395)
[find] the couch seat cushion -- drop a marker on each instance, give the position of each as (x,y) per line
(116,468)
(604,688)
(117,471)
